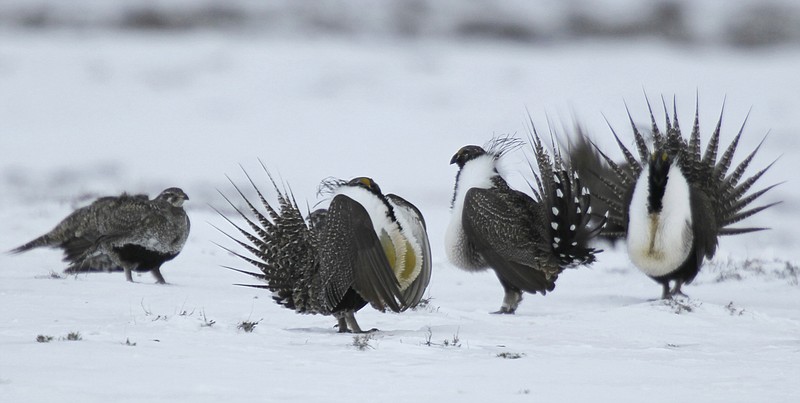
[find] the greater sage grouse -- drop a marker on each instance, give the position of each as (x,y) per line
(526,240)
(126,232)
(673,203)
(365,247)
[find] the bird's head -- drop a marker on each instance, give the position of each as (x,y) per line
(466,154)
(173,196)
(658,174)
(366,183)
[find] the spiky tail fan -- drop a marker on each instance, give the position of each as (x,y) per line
(283,247)
(594,173)
(726,189)
(567,206)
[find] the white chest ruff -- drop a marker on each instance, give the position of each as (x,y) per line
(476,173)
(659,243)
(402,245)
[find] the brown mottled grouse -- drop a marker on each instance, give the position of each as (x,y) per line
(127,232)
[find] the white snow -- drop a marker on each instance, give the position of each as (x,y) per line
(86,114)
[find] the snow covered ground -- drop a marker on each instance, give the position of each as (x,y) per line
(84,114)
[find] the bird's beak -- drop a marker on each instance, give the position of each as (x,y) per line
(454,159)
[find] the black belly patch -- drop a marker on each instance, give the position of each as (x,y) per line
(144,258)
(351,301)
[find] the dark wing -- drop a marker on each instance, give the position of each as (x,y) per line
(504,231)
(78,251)
(414,293)
(704,224)
(351,256)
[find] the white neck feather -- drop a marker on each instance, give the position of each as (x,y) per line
(476,173)
(374,205)
(659,243)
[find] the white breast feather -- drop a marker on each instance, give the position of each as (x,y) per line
(381,222)
(403,217)
(659,243)
(476,173)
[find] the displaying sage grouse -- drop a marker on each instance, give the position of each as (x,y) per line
(126,232)
(673,203)
(528,241)
(365,247)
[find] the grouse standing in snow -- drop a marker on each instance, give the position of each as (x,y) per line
(127,232)
(528,241)
(673,203)
(365,247)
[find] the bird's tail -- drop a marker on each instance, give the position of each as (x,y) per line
(568,208)
(279,243)
(709,170)
(729,189)
(602,181)
(42,241)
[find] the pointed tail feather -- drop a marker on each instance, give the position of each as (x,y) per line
(261,276)
(39,242)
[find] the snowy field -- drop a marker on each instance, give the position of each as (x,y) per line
(85,114)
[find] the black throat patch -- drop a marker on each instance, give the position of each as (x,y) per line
(657,184)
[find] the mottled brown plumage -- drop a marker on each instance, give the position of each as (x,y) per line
(127,232)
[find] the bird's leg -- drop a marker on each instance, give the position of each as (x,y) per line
(665,294)
(342,322)
(128,273)
(350,318)
(348,324)
(157,273)
(676,291)
(512,298)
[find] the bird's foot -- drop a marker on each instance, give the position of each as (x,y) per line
(504,311)
(678,294)
(665,293)
(359,331)
(159,278)
(676,291)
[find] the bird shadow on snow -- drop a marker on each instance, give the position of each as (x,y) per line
(315,330)
(97,277)
(334,330)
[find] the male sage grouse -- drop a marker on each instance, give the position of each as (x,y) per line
(673,203)
(526,240)
(365,247)
(127,232)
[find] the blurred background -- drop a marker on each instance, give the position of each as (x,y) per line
(731,23)
(103,96)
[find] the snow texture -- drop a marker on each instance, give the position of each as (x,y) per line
(87,113)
